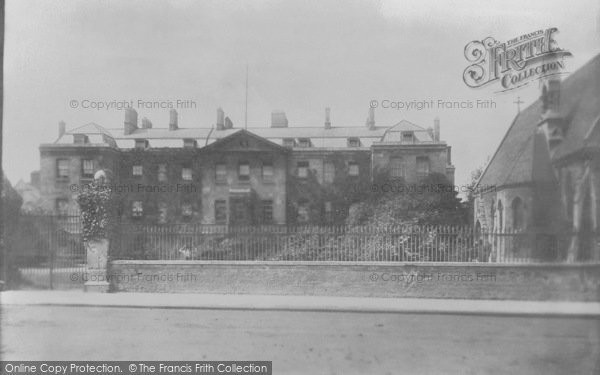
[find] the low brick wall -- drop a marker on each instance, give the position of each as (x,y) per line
(424,280)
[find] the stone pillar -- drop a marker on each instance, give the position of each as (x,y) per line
(97,264)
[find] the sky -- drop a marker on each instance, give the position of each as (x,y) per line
(301,56)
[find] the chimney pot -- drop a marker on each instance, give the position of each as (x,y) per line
(220,119)
(436,129)
(371,119)
(279,119)
(146,124)
(173,120)
(62,128)
(131,119)
(228,123)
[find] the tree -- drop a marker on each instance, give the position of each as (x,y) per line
(392,202)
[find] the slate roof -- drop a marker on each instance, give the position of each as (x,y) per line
(580,106)
(513,161)
(320,137)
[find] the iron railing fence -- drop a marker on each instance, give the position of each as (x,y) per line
(409,243)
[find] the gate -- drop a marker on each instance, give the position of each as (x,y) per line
(46,252)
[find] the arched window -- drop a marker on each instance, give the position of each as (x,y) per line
(518,214)
(500,215)
(492,215)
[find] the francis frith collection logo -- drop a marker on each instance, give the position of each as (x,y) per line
(516,62)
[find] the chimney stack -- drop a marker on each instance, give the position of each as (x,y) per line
(371,119)
(327,118)
(279,119)
(228,123)
(131,119)
(62,128)
(220,119)
(173,119)
(146,124)
(436,129)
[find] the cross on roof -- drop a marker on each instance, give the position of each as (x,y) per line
(518,102)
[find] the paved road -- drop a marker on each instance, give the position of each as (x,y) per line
(305,342)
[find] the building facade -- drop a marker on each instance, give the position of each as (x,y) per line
(545,175)
(224,175)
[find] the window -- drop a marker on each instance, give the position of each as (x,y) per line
(141,144)
(220,212)
(162,212)
(87,168)
(190,143)
(302,169)
(267,171)
(328,172)
(162,172)
(186,210)
(397,169)
(353,168)
(289,142)
(62,169)
(221,173)
(80,139)
(304,142)
(137,209)
(518,213)
(137,170)
(408,137)
(353,142)
(422,166)
(186,174)
(62,206)
(267,211)
(500,216)
(244,171)
(328,212)
(303,215)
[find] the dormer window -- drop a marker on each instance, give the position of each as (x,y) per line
(190,143)
(141,144)
(304,142)
(289,142)
(80,139)
(353,142)
(408,137)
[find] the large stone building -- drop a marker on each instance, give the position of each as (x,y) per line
(545,175)
(226,175)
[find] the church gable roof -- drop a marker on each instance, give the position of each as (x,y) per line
(580,107)
(514,161)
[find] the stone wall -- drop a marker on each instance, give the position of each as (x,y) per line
(432,280)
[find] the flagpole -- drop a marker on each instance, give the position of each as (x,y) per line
(246,113)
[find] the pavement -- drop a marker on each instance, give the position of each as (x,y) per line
(302,303)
